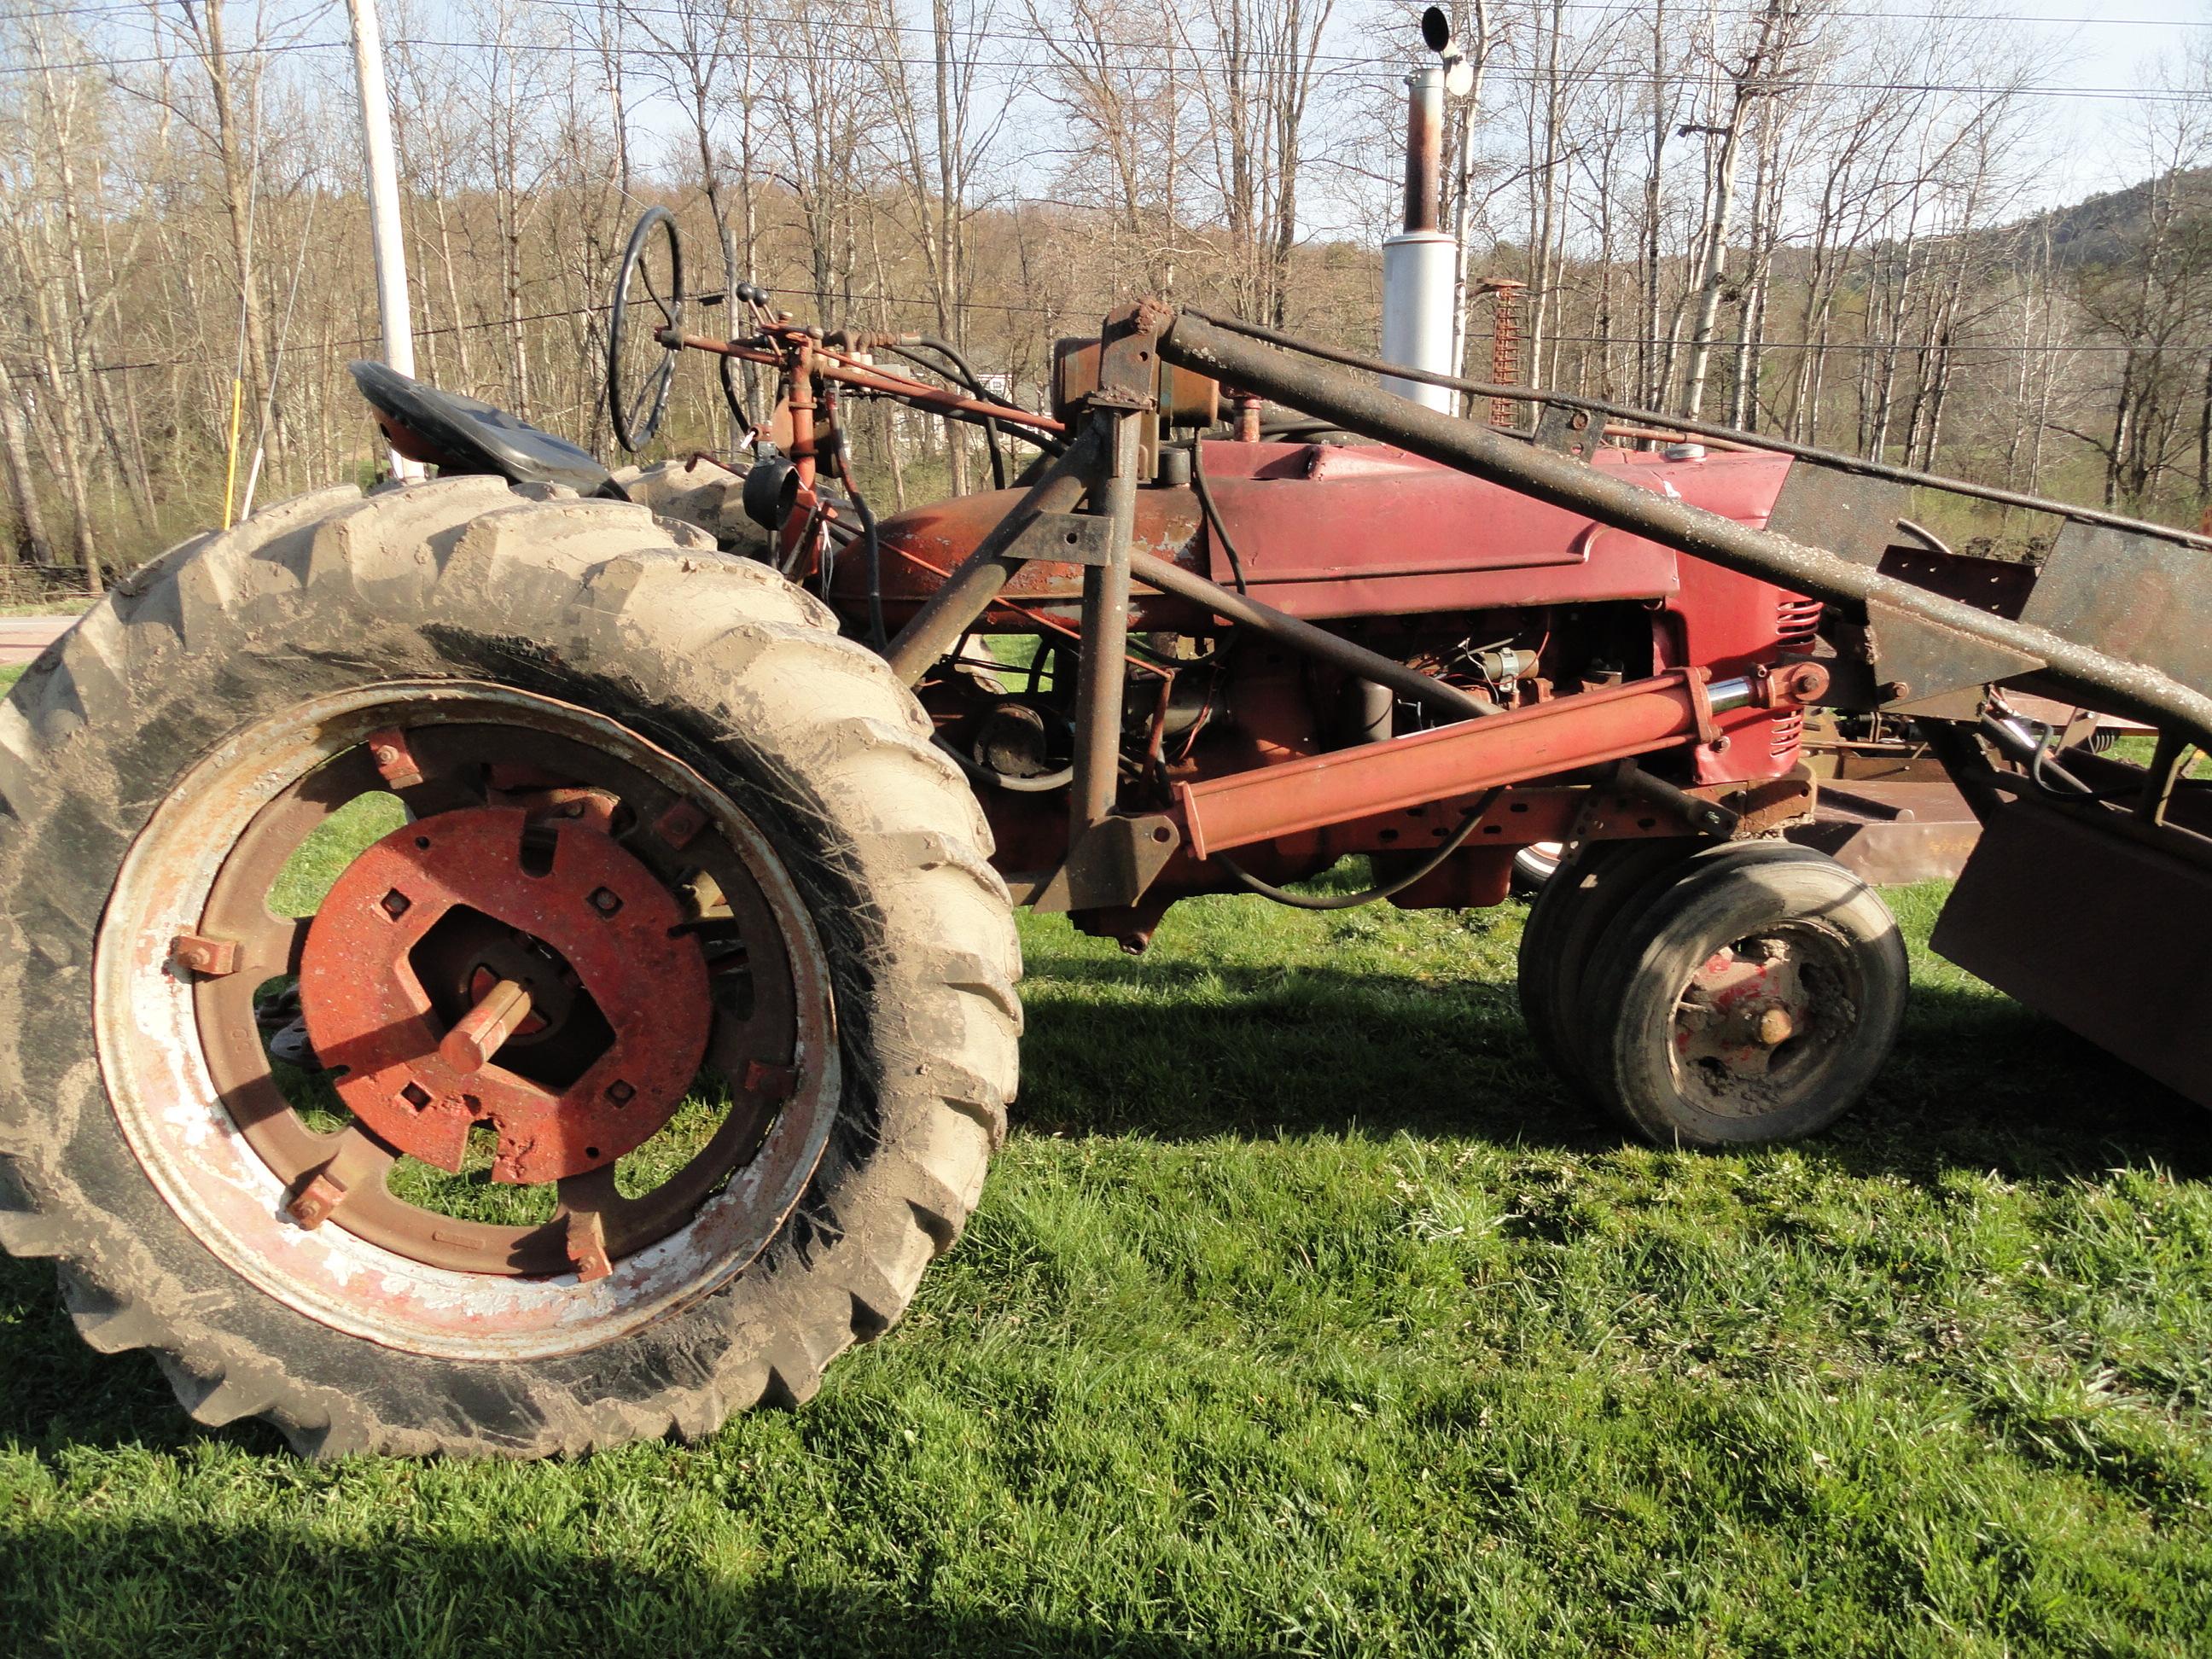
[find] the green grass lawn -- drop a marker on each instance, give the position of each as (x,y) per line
(1306,1313)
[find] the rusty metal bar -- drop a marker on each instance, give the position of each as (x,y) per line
(977,579)
(1830,458)
(1105,627)
(1564,735)
(2125,687)
(1334,649)
(835,366)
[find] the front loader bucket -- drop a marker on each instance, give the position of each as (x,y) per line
(2106,933)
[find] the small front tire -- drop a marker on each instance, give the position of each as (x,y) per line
(1751,1000)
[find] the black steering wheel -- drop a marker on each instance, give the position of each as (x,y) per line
(648,299)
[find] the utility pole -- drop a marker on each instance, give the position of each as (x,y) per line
(385,234)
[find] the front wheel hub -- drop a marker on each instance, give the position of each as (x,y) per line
(479,968)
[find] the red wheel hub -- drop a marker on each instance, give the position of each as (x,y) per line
(571,919)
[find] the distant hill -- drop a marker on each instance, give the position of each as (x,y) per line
(2106,229)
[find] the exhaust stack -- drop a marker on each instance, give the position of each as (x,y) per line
(1419,262)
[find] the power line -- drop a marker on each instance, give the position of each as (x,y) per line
(1099,308)
(1599,8)
(276,50)
(1340,62)
(1612,77)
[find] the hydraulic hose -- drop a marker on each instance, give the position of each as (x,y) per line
(1213,523)
(963,371)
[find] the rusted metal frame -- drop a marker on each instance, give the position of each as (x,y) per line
(1356,405)
(1708,816)
(1616,807)
(1332,648)
(1830,457)
(1564,735)
(1968,767)
(802,522)
(977,581)
(1099,671)
(1030,611)
(833,366)
(2122,954)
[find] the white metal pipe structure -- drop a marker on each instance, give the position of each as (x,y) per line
(386,235)
(1419,265)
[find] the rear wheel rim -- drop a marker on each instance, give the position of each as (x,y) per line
(188,1068)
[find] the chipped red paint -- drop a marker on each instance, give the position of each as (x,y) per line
(599,908)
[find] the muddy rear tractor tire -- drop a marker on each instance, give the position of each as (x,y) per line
(665,1031)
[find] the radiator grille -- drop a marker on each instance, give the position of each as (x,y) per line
(1796,625)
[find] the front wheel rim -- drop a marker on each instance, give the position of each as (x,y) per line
(1765,1021)
(202,1110)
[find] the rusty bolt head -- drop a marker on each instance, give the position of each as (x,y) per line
(395,904)
(1804,682)
(313,1205)
(605,900)
(208,958)
(679,824)
(620,1092)
(383,754)
(310,1212)
(1775,1027)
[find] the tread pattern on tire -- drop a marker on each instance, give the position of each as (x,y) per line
(472,580)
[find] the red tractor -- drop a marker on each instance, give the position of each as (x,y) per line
(523,961)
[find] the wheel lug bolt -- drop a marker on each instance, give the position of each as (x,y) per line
(1775,1027)
(604,901)
(621,1093)
(395,904)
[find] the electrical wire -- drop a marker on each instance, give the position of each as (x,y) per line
(1427,868)
(1318,66)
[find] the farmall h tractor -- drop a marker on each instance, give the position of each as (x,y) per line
(522,961)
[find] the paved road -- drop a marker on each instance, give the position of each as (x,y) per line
(22,638)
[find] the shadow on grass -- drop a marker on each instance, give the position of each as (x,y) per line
(93,1585)
(1172,1050)
(1976,1080)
